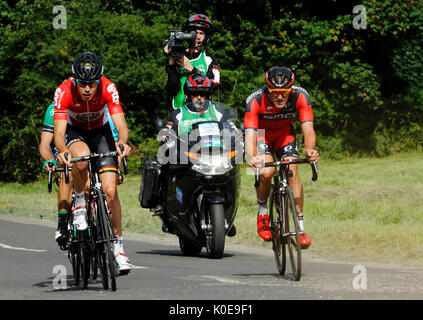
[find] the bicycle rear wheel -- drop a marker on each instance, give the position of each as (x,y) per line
(275,220)
(107,232)
(291,233)
(74,255)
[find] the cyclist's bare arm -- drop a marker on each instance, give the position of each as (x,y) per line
(120,123)
(310,141)
(59,140)
(44,147)
(251,148)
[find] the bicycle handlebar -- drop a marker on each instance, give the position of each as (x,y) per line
(313,166)
(100,155)
(50,175)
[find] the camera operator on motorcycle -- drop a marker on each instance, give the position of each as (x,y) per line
(272,108)
(194,61)
(198,89)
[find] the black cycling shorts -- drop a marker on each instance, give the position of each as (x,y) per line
(99,140)
(282,143)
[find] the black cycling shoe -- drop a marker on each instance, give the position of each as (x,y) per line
(62,240)
(61,234)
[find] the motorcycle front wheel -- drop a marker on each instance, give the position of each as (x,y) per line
(216,237)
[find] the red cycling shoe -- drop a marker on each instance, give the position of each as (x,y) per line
(305,241)
(263,227)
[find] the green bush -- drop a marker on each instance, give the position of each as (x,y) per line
(365,85)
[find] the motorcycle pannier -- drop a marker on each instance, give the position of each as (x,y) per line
(150,184)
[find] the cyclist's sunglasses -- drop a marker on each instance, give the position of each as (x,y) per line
(83,83)
(198,93)
(277,92)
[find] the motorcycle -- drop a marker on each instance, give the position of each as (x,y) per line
(203,182)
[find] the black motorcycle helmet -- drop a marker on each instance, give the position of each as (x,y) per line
(199,21)
(198,83)
(279,77)
(87,67)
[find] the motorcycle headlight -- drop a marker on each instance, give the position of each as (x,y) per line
(212,165)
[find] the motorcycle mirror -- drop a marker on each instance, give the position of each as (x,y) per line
(159,124)
(241,126)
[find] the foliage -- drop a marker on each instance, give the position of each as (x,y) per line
(365,84)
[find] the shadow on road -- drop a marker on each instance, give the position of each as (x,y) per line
(178,253)
(277,276)
(69,286)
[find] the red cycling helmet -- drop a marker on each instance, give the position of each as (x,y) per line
(198,83)
(279,78)
(199,21)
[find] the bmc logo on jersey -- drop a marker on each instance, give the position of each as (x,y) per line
(279,116)
(115,95)
(253,95)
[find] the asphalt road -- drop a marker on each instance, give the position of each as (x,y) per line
(32,267)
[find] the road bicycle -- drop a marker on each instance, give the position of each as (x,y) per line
(99,240)
(100,223)
(78,244)
(283,217)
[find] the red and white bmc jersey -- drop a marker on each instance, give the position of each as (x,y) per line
(87,115)
(261,114)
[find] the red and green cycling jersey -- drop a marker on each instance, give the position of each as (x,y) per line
(87,115)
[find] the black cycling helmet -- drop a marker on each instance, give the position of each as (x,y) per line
(279,77)
(199,21)
(87,66)
(198,83)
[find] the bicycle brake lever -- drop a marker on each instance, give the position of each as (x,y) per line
(314,170)
(125,162)
(257,178)
(49,183)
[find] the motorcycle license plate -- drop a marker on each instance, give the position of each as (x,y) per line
(210,135)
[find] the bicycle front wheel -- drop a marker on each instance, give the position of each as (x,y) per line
(291,233)
(85,264)
(107,232)
(275,221)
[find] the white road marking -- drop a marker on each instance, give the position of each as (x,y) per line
(5,246)
(138,267)
(222,279)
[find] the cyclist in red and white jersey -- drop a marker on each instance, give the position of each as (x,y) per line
(272,108)
(80,113)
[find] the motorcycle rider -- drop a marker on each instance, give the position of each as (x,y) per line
(198,89)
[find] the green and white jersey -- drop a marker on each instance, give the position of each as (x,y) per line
(183,118)
(176,76)
(201,64)
(48,124)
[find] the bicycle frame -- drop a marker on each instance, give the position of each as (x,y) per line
(95,192)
